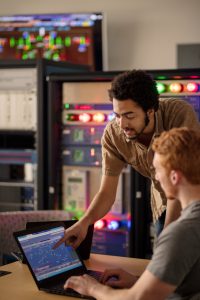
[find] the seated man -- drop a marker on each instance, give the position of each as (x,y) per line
(174,271)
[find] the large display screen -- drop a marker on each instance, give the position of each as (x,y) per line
(75,38)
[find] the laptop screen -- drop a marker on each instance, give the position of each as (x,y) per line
(45,261)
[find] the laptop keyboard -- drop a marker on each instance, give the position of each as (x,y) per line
(59,290)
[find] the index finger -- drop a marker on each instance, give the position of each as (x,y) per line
(58,243)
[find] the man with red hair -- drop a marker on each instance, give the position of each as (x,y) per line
(174,271)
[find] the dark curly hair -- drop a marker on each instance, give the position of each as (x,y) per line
(136,85)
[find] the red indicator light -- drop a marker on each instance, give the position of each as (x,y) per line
(85,117)
(98,117)
(177,77)
(100,224)
(87,41)
(194,77)
(73,118)
(192,87)
(83,106)
(176,87)
(92,130)
(92,152)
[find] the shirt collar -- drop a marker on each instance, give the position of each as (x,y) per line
(159,128)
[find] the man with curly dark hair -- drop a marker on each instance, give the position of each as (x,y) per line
(139,118)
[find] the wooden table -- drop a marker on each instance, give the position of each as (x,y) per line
(19,285)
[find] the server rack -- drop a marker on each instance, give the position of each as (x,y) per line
(24,145)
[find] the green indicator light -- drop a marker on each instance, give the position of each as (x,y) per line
(20,42)
(47,54)
(51,41)
(12,42)
(56,56)
(68,117)
(32,55)
(79,214)
(39,38)
(58,40)
(24,56)
(82,40)
(70,207)
(67,41)
(28,41)
(66,106)
(161,88)
(161,77)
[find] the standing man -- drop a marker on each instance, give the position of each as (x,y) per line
(174,271)
(139,117)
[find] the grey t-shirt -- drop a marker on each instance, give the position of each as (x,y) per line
(176,259)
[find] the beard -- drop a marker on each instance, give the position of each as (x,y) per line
(131,134)
(137,134)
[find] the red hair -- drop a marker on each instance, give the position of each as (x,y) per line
(180,150)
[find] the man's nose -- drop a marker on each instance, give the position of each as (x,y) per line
(122,122)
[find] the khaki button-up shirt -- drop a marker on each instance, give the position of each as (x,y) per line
(118,151)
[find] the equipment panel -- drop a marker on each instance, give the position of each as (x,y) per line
(18,132)
(18,99)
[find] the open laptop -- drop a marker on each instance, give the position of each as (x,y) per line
(50,268)
(84,248)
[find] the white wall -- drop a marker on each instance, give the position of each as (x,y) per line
(141,33)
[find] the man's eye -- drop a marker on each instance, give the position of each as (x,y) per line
(130,116)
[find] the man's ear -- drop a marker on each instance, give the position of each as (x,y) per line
(174,177)
(150,111)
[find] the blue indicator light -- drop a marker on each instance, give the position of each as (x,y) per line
(129,224)
(113,225)
(126,224)
(111,116)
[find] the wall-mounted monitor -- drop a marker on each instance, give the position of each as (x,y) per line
(76,38)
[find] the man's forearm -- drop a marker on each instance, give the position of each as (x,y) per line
(103,200)
(98,208)
(104,292)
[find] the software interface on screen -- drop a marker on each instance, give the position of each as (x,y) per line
(75,38)
(45,261)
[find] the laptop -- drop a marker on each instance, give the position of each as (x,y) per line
(84,248)
(50,268)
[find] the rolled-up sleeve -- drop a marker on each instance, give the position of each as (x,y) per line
(112,161)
